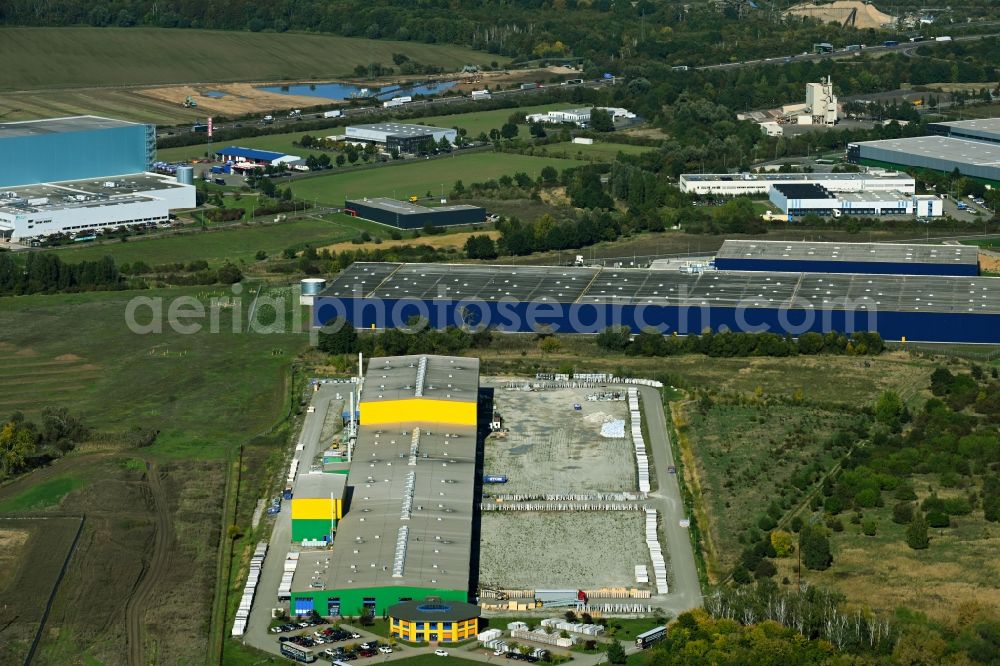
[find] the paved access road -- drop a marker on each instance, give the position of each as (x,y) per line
(682,573)
(266,597)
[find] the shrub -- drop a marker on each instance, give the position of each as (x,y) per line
(916,533)
(868,527)
(765,569)
(902,513)
(937,518)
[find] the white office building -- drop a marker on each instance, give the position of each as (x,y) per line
(84,207)
(380,132)
(798,199)
(750,184)
(579,117)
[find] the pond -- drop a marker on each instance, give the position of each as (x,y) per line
(340,91)
(213,93)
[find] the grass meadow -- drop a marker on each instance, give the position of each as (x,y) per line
(204,392)
(401,180)
(234,244)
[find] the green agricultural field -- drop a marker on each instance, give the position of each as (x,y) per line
(120,103)
(484,121)
(44,58)
(234,244)
(205,392)
(420,177)
(45,494)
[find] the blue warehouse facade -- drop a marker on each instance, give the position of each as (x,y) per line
(588,300)
(76,148)
(861,258)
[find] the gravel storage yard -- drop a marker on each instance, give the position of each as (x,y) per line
(552,448)
(572,550)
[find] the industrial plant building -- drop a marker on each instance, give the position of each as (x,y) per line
(748,184)
(317,506)
(407,535)
(798,199)
(73,148)
(865,258)
(977,158)
(821,103)
(579,117)
(44,209)
(399,136)
(588,300)
(406,215)
(980,129)
(237,154)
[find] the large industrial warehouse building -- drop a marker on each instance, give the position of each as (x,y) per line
(401,136)
(408,532)
(975,158)
(745,184)
(801,199)
(74,148)
(34,211)
(980,129)
(406,215)
(81,175)
(818,257)
(588,300)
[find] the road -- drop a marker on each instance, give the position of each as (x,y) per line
(904,47)
(281,535)
(682,573)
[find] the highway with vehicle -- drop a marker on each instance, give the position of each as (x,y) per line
(838,54)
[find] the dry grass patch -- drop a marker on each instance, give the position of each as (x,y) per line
(456,241)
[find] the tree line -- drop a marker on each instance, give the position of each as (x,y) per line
(47,273)
(729,344)
(342,338)
(25,444)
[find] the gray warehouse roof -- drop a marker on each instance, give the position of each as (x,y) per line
(319,485)
(400,129)
(59,126)
(407,377)
(976,153)
(903,293)
(861,252)
(988,127)
(405,207)
(111,191)
(440,485)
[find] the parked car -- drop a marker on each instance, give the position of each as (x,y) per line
(385,649)
(441,653)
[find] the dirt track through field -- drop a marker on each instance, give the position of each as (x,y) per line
(153,574)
